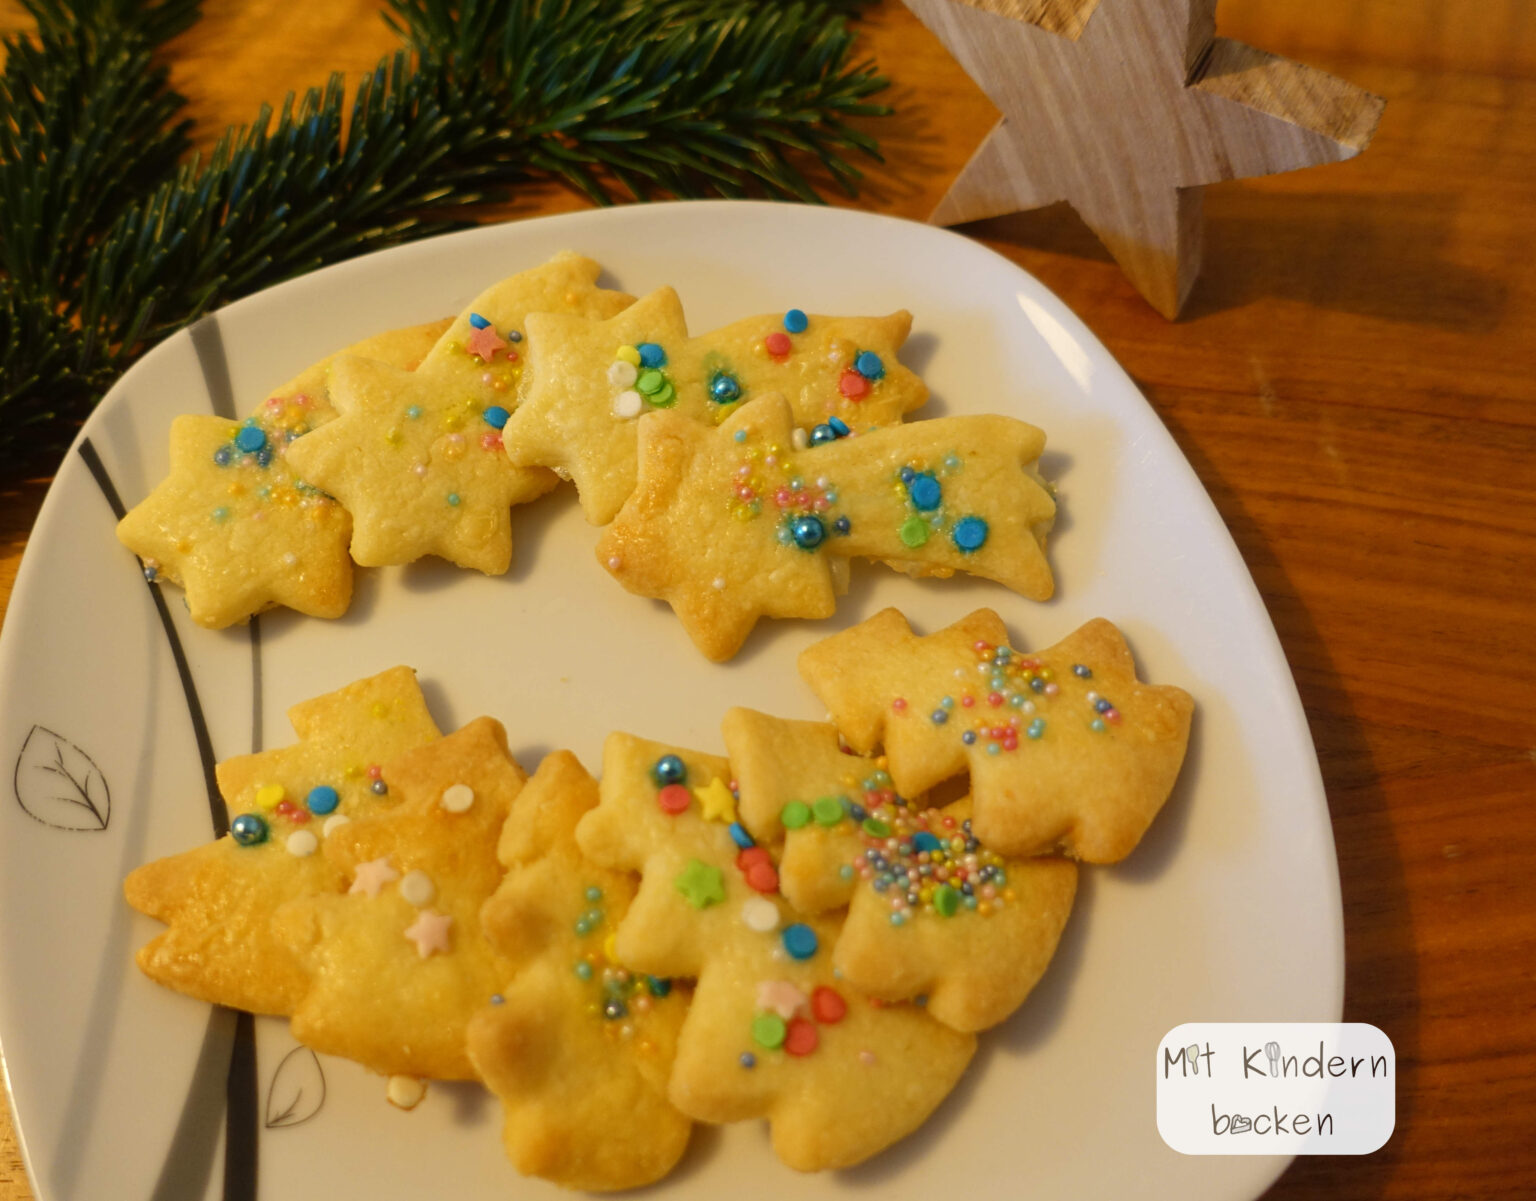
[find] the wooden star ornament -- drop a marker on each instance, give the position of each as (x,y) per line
(1125,109)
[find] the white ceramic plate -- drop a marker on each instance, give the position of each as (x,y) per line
(1228,912)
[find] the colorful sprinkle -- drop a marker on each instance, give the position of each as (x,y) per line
(701,884)
(853,385)
(969,534)
(778,344)
(496,416)
(251,438)
(800,1037)
(800,940)
(925,492)
(740,836)
(748,1060)
(827,810)
(795,321)
(268,795)
(914,532)
(867,363)
(457,798)
(808,531)
(768,1030)
(302,843)
(478,321)
(652,355)
(760,915)
(828,1005)
(724,388)
(669,769)
(795,815)
(674,799)
(249,829)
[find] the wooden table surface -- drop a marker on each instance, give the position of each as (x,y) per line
(1354,380)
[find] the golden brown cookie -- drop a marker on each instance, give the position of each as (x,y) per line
(577,1047)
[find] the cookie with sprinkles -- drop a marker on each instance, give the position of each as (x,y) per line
(396,957)
(735,523)
(806,794)
(1067,750)
(416,457)
(774,1033)
(218,900)
(237,525)
(938,914)
(577,1047)
(591,380)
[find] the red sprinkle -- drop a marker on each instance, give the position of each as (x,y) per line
(852,385)
(751,855)
(374,771)
(801,1037)
(674,799)
(967,701)
(899,704)
(762,877)
(778,344)
(828,1006)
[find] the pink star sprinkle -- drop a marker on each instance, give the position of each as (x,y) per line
(429,932)
(484,343)
(372,876)
(781,997)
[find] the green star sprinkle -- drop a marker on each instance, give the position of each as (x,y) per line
(701,885)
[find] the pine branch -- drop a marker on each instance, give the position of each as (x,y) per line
(682,97)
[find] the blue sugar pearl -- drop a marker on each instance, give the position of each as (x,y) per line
(251,438)
(322,799)
(845,872)
(842,525)
(970,533)
(839,426)
(800,940)
(594,893)
(151,574)
(660,986)
(907,475)
(264,455)
(993,748)
(925,492)
(514,336)
(1036,728)
(249,829)
(867,363)
(748,1060)
(496,416)
(948,702)
(1097,725)
(925,841)
(1037,685)
(724,388)
(222,456)
(413,412)
(583,970)
(651,355)
(1081,672)
(795,321)
(669,769)
(378,788)
(898,919)
(497,999)
(969,737)
(454,499)
(940,716)
(857,812)
(478,321)
(740,836)
(740,435)
(1102,705)
(823,434)
(807,531)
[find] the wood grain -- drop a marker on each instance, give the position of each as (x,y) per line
(1352,380)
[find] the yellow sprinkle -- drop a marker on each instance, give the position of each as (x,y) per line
(268,795)
(393,437)
(628,354)
(453,421)
(353,772)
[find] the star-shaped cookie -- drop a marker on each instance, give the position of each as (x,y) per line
(218,900)
(1067,750)
(398,968)
(237,525)
(592,379)
(416,457)
(733,523)
(577,1047)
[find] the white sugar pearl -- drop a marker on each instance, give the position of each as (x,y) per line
(622,374)
(627,404)
(417,888)
(302,843)
(760,914)
(405,1092)
(719,582)
(457,798)
(335,822)
(800,439)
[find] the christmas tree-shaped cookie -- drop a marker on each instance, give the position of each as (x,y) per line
(416,457)
(1066,749)
(218,900)
(734,523)
(577,1047)
(593,379)
(771,1031)
(396,957)
(236,524)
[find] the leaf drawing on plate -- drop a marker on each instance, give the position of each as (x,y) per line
(59,784)
(297,1090)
